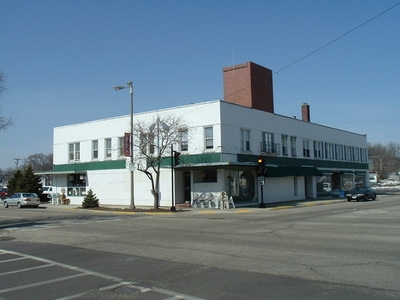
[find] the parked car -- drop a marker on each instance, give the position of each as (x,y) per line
(45,196)
(361,193)
(22,199)
(3,193)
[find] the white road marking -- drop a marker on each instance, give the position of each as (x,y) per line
(118,282)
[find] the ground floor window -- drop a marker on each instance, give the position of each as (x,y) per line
(206,175)
(337,183)
(76,191)
(324,186)
(76,185)
(242,186)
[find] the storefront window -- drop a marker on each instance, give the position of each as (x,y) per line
(347,182)
(76,185)
(360,179)
(205,176)
(324,186)
(242,186)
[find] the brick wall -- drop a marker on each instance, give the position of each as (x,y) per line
(249,85)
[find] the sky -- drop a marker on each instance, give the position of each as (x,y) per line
(61,59)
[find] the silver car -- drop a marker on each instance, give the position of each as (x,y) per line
(22,199)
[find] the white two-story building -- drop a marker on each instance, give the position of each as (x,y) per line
(219,152)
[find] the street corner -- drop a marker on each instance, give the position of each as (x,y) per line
(281,207)
(322,202)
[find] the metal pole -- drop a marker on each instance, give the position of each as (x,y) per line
(172,179)
(132,204)
(262,205)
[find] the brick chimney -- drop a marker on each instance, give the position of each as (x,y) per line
(305,112)
(249,85)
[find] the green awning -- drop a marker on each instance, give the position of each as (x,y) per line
(285,171)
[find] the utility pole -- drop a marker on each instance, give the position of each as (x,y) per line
(17,162)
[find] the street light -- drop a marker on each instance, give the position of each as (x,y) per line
(131,168)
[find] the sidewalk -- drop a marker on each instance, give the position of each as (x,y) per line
(165,209)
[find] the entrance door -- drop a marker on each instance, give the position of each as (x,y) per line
(187,185)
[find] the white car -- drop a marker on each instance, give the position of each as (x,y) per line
(22,199)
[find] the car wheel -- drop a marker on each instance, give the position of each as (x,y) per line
(19,205)
(348,200)
(366,198)
(5,204)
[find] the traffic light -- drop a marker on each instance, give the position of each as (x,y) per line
(261,166)
(177,160)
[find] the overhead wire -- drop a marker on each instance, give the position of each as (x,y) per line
(338,38)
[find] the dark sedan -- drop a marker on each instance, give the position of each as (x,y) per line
(361,193)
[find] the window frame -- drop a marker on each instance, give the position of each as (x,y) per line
(107,148)
(95,149)
(184,140)
(121,143)
(74,152)
(293,145)
(208,139)
(306,148)
(245,139)
(284,141)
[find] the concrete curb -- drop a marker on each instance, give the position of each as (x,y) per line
(274,206)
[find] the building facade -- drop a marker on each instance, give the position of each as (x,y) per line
(219,152)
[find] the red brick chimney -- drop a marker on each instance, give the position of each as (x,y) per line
(305,112)
(249,85)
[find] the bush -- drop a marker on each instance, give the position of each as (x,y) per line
(90,200)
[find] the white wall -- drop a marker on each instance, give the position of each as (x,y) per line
(112,186)
(281,189)
(235,117)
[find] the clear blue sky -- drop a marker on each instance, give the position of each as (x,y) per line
(62,58)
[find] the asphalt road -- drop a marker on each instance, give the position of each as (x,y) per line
(336,251)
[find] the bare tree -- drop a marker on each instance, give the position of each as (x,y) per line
(40,162)
(153,141)
(386,158)
(4,121)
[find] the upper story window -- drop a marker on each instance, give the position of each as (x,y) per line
(184,140)
(108,148)
(244,139)
(267,144)
(293,147)
(329,154)
(285,150)
(306,148)
(338,152)
(74,151)
(208,137)
(347,153)
(318,149)
(363,155)
(356,154)
(95,149)
(121,141)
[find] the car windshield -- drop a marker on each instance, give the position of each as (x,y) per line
(25,195)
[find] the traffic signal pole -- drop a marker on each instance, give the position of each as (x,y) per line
(175,160)
(261,178)
(172,179)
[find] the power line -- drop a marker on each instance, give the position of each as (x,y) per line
(338,38)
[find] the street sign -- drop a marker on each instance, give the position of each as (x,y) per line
(261,180)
